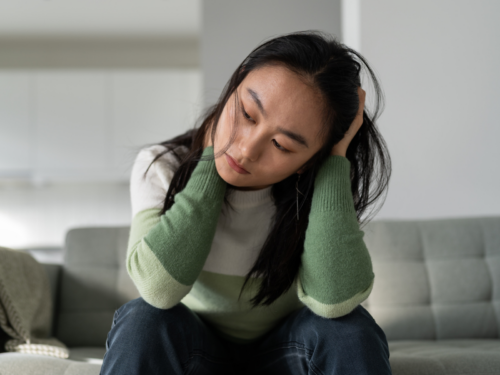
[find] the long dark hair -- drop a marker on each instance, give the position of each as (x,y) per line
(335,70)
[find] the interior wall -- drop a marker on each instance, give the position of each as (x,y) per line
(438,65)
(40,216)
(231,29)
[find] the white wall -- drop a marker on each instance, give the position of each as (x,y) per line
(232,29)
(32,217)
(438,62)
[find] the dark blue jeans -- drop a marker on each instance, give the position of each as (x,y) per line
(147,340)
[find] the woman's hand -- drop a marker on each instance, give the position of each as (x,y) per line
(341,147)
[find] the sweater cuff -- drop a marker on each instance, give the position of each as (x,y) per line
(205,177)
(332,187)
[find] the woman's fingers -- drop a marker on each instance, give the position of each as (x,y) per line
(341,147)
(359,116)
(358,120)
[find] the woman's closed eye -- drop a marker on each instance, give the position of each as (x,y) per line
(279,147)
(245,114)
(276,144)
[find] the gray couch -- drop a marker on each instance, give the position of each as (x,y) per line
(436,296)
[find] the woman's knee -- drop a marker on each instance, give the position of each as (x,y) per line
(142,334)
(140,314)
(356,332)
(358,323)
(140,307)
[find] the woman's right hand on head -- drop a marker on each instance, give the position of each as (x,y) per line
(341,147)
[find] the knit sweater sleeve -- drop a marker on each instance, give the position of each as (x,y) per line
(336,272)
(166,253)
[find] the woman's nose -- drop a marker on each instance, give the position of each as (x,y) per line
(250,144)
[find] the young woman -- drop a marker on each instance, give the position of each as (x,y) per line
(245,243)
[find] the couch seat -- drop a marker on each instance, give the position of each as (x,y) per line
(445,357)
(82,361)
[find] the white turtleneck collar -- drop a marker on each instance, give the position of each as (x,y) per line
(249,198)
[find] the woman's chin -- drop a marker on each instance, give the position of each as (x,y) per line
(232,179)
(239,184)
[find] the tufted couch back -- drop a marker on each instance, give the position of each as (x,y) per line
(435,279)
(93,283)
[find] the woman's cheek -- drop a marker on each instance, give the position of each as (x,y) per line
(221,169)
(222,135)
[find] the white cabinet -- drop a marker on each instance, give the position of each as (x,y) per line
(72,120)
(88,125)
(16,125)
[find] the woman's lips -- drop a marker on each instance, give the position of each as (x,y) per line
(232,163)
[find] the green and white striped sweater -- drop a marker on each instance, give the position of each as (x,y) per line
(199,251)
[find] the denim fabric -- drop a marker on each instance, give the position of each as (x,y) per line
(147,340)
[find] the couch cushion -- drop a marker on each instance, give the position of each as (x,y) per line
(435,279)
(94,284)
(16,364)
(445,357)
(87,354)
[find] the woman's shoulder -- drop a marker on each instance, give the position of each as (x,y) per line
(150,178)
(169,155)
(164,159)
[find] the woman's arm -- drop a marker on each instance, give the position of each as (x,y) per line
(336,273)
(166,254)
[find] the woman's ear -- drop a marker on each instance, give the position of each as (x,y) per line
(304,168)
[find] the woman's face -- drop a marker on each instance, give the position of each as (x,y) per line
(279,121)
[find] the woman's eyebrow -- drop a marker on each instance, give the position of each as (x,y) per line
(256,99)
(294,136)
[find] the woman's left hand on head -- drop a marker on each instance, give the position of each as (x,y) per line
(341,147)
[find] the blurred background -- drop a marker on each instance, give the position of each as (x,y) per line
(85,84)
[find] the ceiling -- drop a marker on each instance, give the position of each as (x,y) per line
(172,19)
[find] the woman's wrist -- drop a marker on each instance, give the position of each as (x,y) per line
(332,186)
(205,176)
